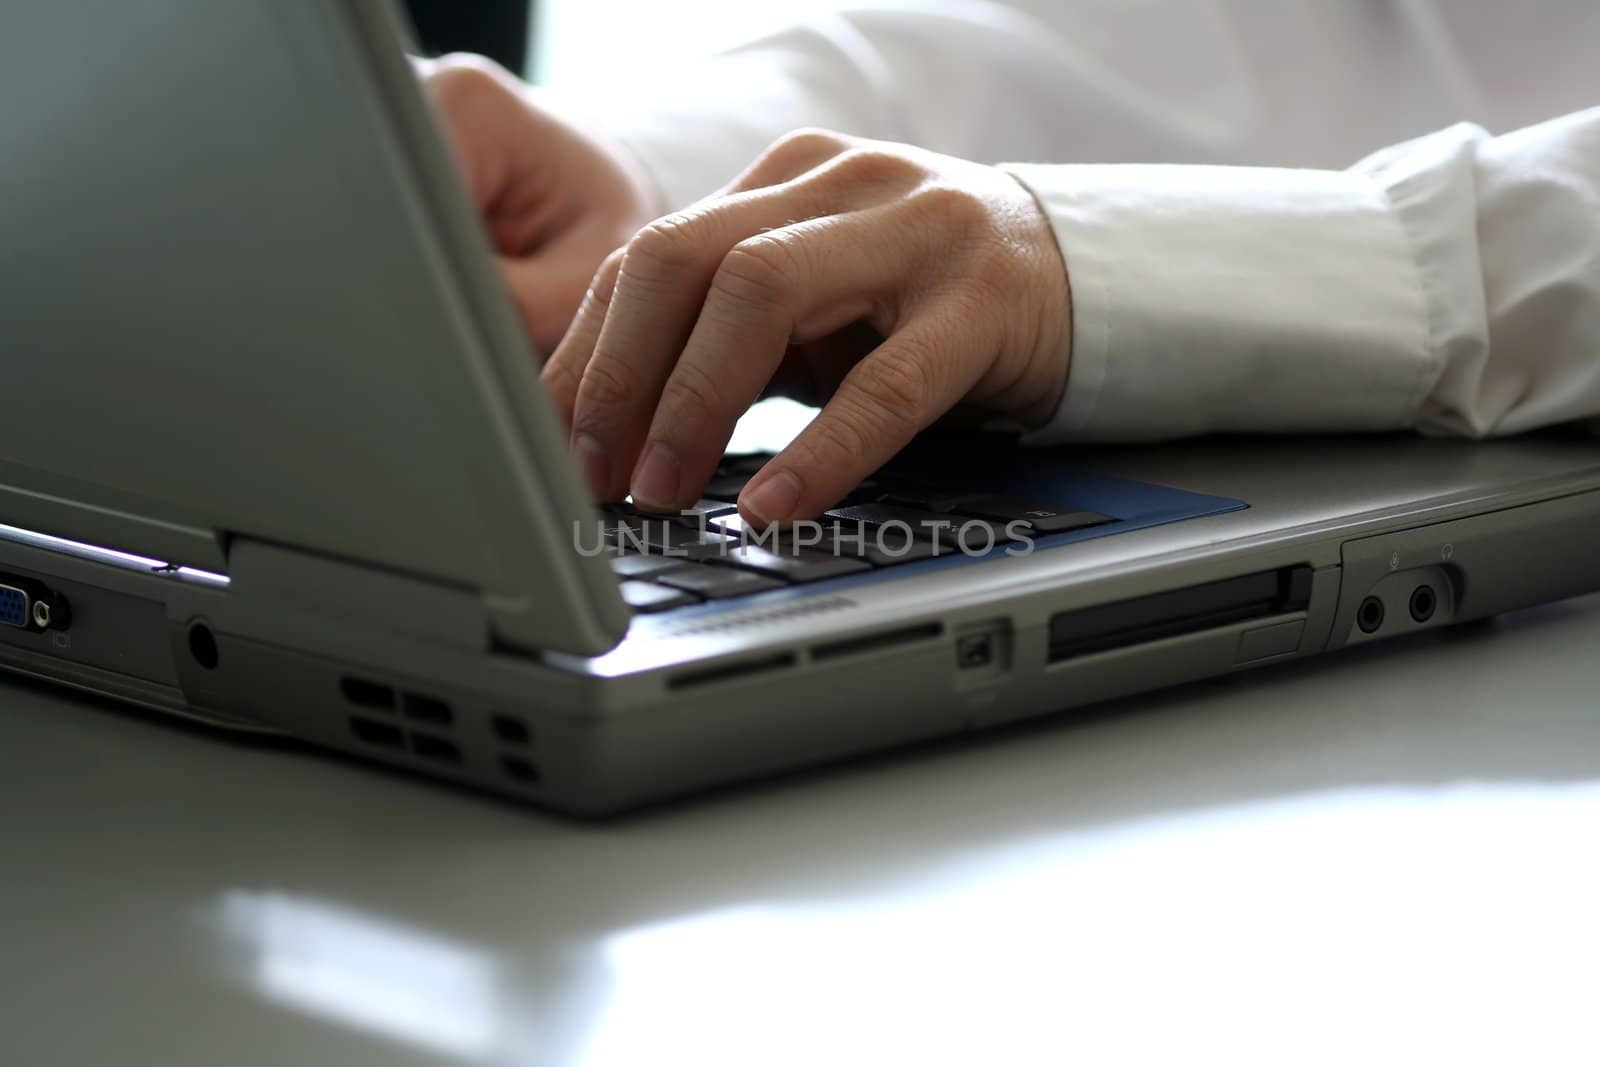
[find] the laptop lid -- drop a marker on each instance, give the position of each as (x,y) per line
(243,296)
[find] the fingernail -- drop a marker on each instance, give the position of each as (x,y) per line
(774,499)
(655,480)
(596,467)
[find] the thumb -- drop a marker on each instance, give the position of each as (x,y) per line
(547,287)
(472,97)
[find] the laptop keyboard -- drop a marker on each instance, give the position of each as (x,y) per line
(667,562)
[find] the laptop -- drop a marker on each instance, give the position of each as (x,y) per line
(274,457)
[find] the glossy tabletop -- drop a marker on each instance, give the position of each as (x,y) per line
(1386,855)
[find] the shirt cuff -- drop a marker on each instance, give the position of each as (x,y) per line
(1232,299)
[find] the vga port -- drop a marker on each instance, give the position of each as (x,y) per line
(14,605)
(28,605)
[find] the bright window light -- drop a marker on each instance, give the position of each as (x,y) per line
(617,41)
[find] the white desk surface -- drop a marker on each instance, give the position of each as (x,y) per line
(1387,855)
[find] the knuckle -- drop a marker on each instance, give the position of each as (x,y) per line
(951,206)
(461,79)
(806,143)
(984,263)
(758,273)
(990,273)
(606,385)
(873,166)
(899,384)
(558,377)
(972,300)
(982,282)
(692,395)
(840,440)
(994,271)
(668,244)
(604,282)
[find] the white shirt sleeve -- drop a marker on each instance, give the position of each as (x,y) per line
(979,79)
(1451,283)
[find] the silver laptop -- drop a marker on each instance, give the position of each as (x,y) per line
(273,456)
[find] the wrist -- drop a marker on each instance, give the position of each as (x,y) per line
(1050,341)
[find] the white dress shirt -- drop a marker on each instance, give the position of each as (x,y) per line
(1244,253)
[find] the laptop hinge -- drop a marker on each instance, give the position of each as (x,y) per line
(117,521)
(327,591)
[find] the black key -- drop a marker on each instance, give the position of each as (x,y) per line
(628,510)
(665,537)
(923,523)
(727,486)
(957,531)
(628,530)
(597,537)
(818,538)
(623,512)
(909,495)
(1043,518)
(790,565)
(696,543)
(645,597)
(880,546)
(895,551)
(866,493)
(613,523)
(626,513)
(698,513)
(741,532)
(634,566)
(746,463)
(717,583)
(733,525)
(847,540)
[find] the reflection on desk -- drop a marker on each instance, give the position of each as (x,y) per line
(1382,856)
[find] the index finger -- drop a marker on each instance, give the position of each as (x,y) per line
(886,399)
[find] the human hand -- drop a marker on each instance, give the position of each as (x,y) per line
(555,199)
(951,263)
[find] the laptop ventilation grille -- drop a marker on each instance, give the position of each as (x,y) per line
(516,740)
(401,720)
(723,624)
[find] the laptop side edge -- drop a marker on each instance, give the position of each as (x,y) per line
(536,447)
(249,305)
